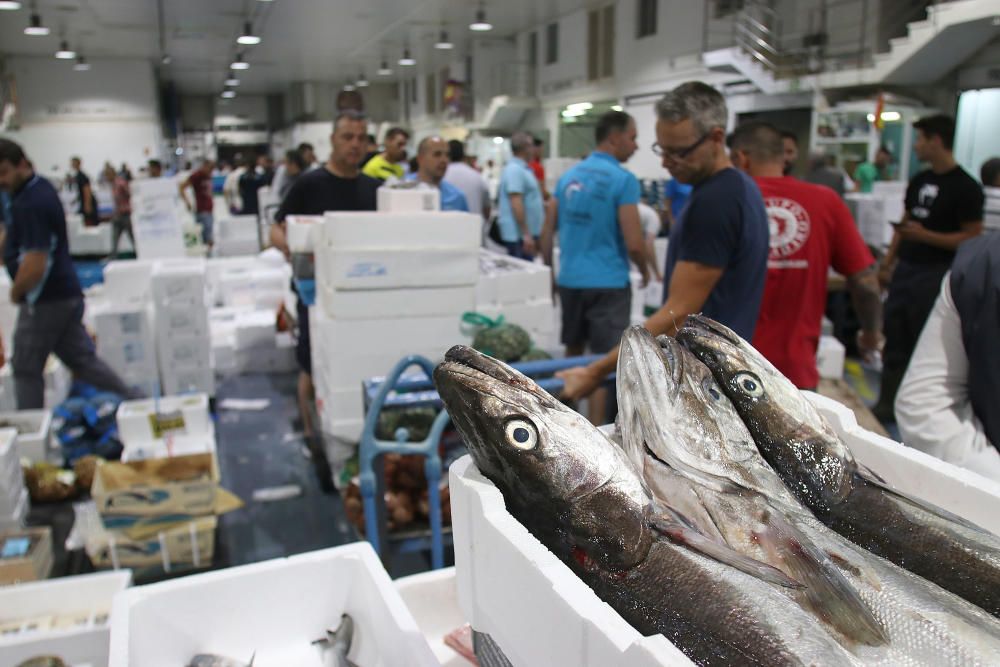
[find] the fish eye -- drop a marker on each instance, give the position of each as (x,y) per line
(712,390)
(749,384)
(521,434)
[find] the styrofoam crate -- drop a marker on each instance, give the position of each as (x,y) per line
(255,328)
(183,350)
(504,279)
(306,594)
(128,281)
(497,561)
(196,379)
(179,281)
(391,199)
(274,359)
(243,247)
(135,418)
(395,268)
(341,403)
(432,598)
(830,356)
(301,232)
(353,230)
(182,317)
(202,443)
(33,428)
(536,316)
(236,227)
(389,303)
(79,606)
(15,520)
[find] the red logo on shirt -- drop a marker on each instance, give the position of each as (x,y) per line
(789,226)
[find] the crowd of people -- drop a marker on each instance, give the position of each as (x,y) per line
(750,245)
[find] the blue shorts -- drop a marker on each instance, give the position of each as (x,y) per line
(205,219)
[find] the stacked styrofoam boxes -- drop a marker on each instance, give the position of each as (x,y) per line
(518,290)
(991,213)
(13,494)
(191,430)
(258,346)
(33,432)
(157,227)
(182,335)
(125,341)
(236,236)
(387,285)
(8,313)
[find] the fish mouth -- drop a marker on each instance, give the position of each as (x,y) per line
(706,325)
(471,367)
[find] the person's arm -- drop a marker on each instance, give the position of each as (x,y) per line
(517,208)
(651,260)
(182,188)
(86,195)
(932,408)
(547,239)
(691,284)
(866,297)
(29,274)
(628,221)
(279,238)
(485,196)
(914,231)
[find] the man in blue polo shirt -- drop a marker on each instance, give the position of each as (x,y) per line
(597,216)
(432,163)
(520,199)
(45,286)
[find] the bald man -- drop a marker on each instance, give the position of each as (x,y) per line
(432,162)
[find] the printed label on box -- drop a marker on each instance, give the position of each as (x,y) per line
(167,423)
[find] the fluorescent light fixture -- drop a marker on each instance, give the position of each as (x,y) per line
(407,60)
(871,118)
(498,140)
(64,52)
(9,5)
(362,82)
(239,63)
(443,42)
(384,70)
(573,113)
(35,27)
(81,64)
(481,24)
(232,81)
(616,107)
(228,94)
(248,37)
(889,116)
(582,106)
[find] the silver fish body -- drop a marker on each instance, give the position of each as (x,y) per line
(572,488)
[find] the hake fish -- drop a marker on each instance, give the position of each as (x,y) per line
(821,472)
(672,404)
(576,491)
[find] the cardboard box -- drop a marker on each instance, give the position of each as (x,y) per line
(306,594)
(392,303)
(33,428)
(35,564)
(178,547)
(68,617)
(148,420)
(174,489)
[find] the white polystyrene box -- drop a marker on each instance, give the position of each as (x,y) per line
(128,281)
(85,598)
(202,443)
(960,491)
(500,567)
(537,316)
(341,403)
(133,417)
(238,247)
(830,355)
(432,598)
(391,303)
(511,280)
(190,379)
(33,428)
(397,200)
(236,227)
(179,281)
(188,318)
(274,610)
(301,232)
(255,328)
(401,231)
(15,520)
(395,268)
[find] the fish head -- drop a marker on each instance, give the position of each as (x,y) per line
(791,435)
(559,475)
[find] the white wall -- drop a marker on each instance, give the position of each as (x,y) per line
(571,67)
(976,138)
(654,59)
(107,114)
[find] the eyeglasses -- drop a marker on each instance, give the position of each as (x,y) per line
(679,153)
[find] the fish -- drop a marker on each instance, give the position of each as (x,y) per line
(43,661)
(919,623)
(820,470)
(213,660)
(580,496)
(338,642)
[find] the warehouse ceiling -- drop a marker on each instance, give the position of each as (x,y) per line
(315,40)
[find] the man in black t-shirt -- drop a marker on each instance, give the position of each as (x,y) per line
(45,286)
(338,185)
(85,193)
(944,207)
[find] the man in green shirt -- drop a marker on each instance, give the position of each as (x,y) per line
(867,173)
(389,163)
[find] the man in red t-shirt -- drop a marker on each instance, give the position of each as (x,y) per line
(200,181)
(811,231)
(537,168)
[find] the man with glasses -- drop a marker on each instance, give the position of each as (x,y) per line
(717,254)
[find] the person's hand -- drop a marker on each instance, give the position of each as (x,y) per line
(885,271)
(869,342)
(644,272)
(578,382)
(529,246)
(912,231)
